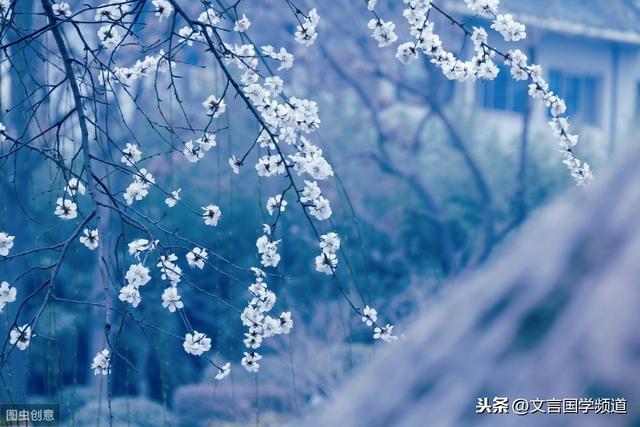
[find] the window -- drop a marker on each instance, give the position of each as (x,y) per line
(502,93)
(580,92)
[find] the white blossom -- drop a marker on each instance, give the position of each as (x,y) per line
(223,371)
(235,164)
(284,57)
(61,9)
(20,336)
(385,333)
(310,192)
(369,315)
(171,299)
(275,84)
(326,263)
(286,322)
(5,10)
(90,238)
(211,215)
(75,186)
(131,154)
(486,8)
(306,32)
(112,13)
(138,246)
(330,243)
(270,165)
(109,36)
(321,209)
(214,107)
(510,29)
(144,177)
(407,52)
(7,294)
(208,141)
(193,152)
(174,198)
(274,203)
(383,32)
(250,361)
(136,191)
(164,9)
(169,269)
(130,294)
(6,243)
(271,327)
(269,251)
(66,209)
(137,275)
(210,17)
(196,343)
(253,340)
(101,363)
(197,257)
(242,24)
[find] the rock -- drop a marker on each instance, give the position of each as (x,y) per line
(553,314)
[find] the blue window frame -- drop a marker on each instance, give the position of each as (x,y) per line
(502,93)
(581,93)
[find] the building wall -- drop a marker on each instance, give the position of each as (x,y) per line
(574,55)
(628,122)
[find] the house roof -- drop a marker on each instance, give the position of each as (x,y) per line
(614,20)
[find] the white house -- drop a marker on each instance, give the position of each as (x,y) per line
(590,53)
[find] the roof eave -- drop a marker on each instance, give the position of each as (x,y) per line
(562,27)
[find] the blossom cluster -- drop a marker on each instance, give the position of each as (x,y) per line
(136,276)
(196,343)
(306,32)
(285,150)
(383,32)
(482,65)
(208,19)
(194,151)
(139,188)
(67,209)
(259,323)
(109,34)
(384,333)
(327,261)
(268,250)
(319,206)
(539,90)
